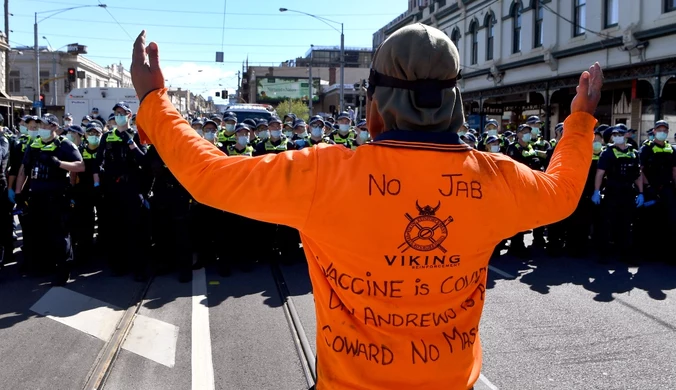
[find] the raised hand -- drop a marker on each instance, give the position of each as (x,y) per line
(146,74)
(588,90)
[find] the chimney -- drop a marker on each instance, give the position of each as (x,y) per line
(332,76)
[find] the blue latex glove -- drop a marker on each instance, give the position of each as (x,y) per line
(639,200)
(596,198)
(96,184)
(11,195)
(146,204)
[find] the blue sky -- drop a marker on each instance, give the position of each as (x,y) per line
(189,33)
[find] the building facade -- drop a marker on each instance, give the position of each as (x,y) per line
(524,57)
(325,64)
(54,67)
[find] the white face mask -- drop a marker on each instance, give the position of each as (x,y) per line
(302,135)
(23,129)
(200,132)
(68,123)
(93,139)
(229,127)
(492,132)
(618,140)
(526,137)
(243,140)
(45,134)
(70,137)
(661,136)
(535,131)
(275,133)
(121,120)
(495,148)
(343,128)
(597,146)
(364,135)
(461,133)
(264,134)
(288,134)
(33,133)
(317,132)
(210,136)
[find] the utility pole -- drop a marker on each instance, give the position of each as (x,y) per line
(312,49)
(239,86)
(10,51)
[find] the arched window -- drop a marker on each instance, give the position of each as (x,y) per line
(455,36)
(474,32)
(538,31)
(489,23)
(516,26)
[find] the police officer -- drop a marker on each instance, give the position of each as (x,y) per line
(344,133)
(522,151)
(47,162)
(74,134)
(300,134)
(95,116)
(623,193)
(277,143)
(197,126)
(464,129)
(651,136)
(362,137)
(242,147)
(631,138)
(67,120)
(227,135)
(658,164)
(210,133)
(260,125)
(493,144)
(316,134)
(491,128)
(85,121)
(171,207)
(85,193)
(125,206)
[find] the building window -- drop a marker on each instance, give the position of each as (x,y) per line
(516,33)
(579,17)
(474,31)
(538,31)
(44,76)
(490,34)
(98,83)
(89,82)
(14,81)
(611,10)
(455,37)
(669,5)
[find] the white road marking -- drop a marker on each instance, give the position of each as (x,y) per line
(150,338)
(153,339)
(202,362)
(501,272)
(86,314)
(486,382)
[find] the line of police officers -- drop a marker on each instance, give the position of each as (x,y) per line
(629,195)
(64,181)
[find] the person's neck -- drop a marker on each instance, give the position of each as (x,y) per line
(661,143)
(523,143)
(122,128)
(273,139)
(623,146)
(92,147)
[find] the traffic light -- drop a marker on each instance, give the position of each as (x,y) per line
(224,94)
(42,99)
(218,94)
(72,76)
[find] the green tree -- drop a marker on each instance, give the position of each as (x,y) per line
(295,106)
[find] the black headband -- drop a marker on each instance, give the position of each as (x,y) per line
(427,92)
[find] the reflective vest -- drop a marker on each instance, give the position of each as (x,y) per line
(339,139)
(661,149)
(248,151)
(40,171)
(540,144)
(222,137)
(279,148)
(529,155)
(24,140)
(626,167)
(87,154)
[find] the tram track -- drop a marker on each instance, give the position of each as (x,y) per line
(303,347)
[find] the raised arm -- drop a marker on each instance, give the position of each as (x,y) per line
(540,198)
(254,187)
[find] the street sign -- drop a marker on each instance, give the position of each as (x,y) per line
(219,56)
(37,104)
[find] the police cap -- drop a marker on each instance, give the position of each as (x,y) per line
(316,119)
(523,127)
(75,129)
(210,122)
(250,122)
(470,137)
(242,126)
(299,123)
(492,138)
(662,123)
(94,125)
(491,122)
(274,119)
(559,127)
(123,106)
(343,115)
(533,120)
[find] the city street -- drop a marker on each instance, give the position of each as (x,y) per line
(548,324)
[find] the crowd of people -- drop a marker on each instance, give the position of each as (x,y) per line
(89,191)
(629,196)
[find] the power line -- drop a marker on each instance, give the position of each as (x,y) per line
(211,13)
(163,42)
(118,23)
(225,5)
(143,24)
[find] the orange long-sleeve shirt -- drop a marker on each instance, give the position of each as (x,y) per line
(399,286)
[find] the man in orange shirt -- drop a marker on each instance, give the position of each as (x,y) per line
(400,307)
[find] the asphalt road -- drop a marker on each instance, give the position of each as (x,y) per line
(548,324)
